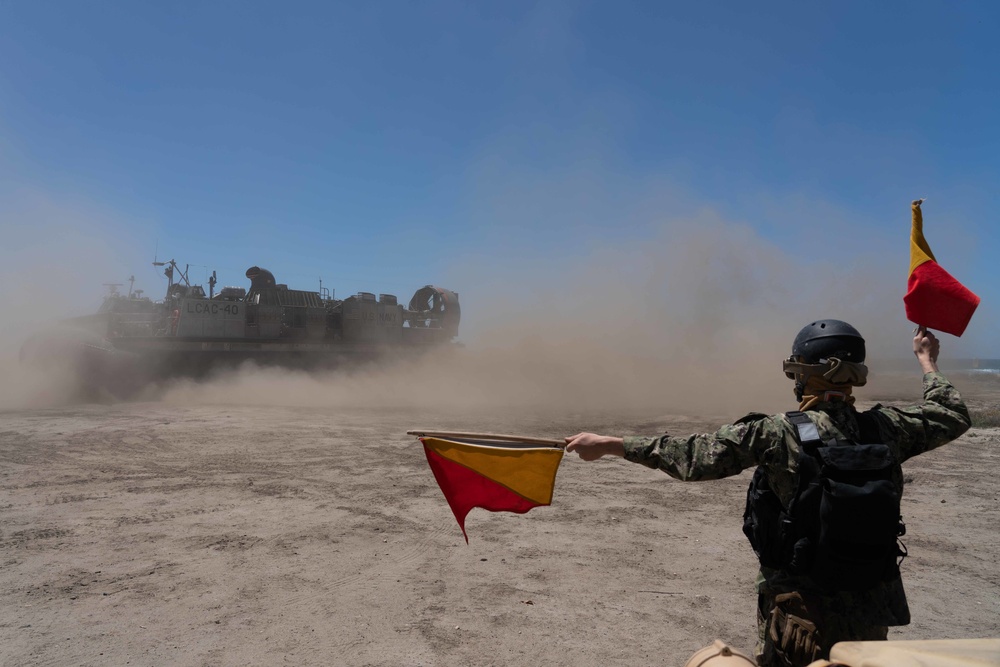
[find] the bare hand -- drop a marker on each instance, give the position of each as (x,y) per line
(590,446)
(926,347)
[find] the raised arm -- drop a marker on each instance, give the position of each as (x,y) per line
(939,419)
(926,347)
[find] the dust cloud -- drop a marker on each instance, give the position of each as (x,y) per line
(693,319)
(54,257)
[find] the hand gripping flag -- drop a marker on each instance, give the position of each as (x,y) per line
(934,299)
(498,476)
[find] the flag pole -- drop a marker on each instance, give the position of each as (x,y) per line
(488,436)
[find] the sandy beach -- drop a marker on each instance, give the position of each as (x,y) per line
(185,532)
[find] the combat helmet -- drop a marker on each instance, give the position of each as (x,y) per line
(823,339)
(719,654)
(818,342)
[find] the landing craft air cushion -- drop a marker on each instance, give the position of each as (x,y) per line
(190,332)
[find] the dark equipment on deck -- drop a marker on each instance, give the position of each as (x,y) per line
(190,333)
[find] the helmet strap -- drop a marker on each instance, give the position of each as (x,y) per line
(800,387)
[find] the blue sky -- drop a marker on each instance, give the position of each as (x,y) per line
(386,145)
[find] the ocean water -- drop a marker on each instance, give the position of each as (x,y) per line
(973,366)
(976,367)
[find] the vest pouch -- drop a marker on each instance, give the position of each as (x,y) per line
(765,523)
(856,547)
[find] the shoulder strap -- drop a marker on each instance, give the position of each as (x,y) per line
(868,426)
(808,434)
(805,429)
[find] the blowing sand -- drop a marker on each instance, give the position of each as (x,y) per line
(199,529)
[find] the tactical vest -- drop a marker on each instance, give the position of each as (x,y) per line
(840,529)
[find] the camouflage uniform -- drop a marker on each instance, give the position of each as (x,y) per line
(760,440)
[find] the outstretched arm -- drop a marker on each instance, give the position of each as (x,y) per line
(695,457)
(590,446)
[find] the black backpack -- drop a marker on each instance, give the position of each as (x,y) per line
(841,528)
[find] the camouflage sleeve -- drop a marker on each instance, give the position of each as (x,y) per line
(703,456)
(942,417)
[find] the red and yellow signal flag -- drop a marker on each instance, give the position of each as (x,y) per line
(934,299)
(497,476)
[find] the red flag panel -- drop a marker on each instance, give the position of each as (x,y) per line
(936,300)
(465,489)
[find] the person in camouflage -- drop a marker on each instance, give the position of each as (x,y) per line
(797,621)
